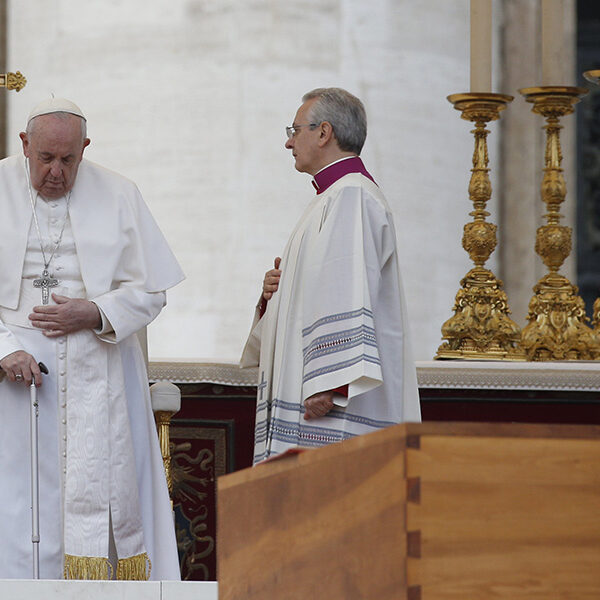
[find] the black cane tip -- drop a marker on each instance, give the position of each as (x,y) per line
(43,368)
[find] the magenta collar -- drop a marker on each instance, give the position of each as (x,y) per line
(329,175)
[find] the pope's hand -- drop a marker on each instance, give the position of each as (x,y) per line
(21,367)
(318,405)
(271,280)
(66,316)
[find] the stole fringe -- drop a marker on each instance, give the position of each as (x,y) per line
(87,567)
(134,568)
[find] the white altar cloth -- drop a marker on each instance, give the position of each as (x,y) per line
(576,376)
(48,589)
(566,376)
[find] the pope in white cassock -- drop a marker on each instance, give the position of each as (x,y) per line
(83,267)
(330,335)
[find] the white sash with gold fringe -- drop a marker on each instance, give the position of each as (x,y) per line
(100,484)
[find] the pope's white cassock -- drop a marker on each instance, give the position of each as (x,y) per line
(338,318)
(101,472)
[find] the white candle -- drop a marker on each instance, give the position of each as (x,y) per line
(552,43)
(481,45)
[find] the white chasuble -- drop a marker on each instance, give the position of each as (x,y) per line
(100,464)
(338,318)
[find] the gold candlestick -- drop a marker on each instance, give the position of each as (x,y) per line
(556,328)
(480,327)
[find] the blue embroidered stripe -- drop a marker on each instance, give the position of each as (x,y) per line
(288,432)
(337,317)
(339,366)
(261,429)
(336,335)
(260,457)
(259,438)
(261,406)
(342,414)
(339,342)
(278,403)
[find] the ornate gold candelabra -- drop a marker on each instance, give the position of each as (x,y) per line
(480,327)
(556,328)
(12,81)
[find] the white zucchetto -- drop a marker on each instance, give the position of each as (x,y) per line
(54,105)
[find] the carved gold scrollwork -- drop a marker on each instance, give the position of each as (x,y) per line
(596,316)
(163,421)
(556,328)
(479,240)
(553,244)
(480,327)
(13,81)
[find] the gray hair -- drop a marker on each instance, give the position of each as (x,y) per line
(346,114)
(61,115)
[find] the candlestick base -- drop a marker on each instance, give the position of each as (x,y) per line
(480,328)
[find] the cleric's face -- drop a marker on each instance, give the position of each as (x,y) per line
(304,142)
(54,148)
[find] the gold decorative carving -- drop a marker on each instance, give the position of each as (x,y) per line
(13,81)
(194,476)
(480,327)
(596,315)
(593,76)
(163,420)
(556,328)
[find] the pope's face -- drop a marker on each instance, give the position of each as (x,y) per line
(54,149)
(304,143)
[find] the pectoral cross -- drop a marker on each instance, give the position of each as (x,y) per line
(46,281)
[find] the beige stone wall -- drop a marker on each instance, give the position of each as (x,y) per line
(189,98)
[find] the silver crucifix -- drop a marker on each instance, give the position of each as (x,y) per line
(46,281)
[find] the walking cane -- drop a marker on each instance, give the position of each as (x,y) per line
(35,492)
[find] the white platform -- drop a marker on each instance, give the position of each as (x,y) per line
(20,589)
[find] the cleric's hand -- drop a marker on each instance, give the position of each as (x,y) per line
(21,367)
(66,316)
(318,405)
(271,280)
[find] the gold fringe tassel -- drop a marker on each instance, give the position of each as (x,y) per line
(87,567)
(134,568)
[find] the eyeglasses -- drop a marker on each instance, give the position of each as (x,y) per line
(292,129)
